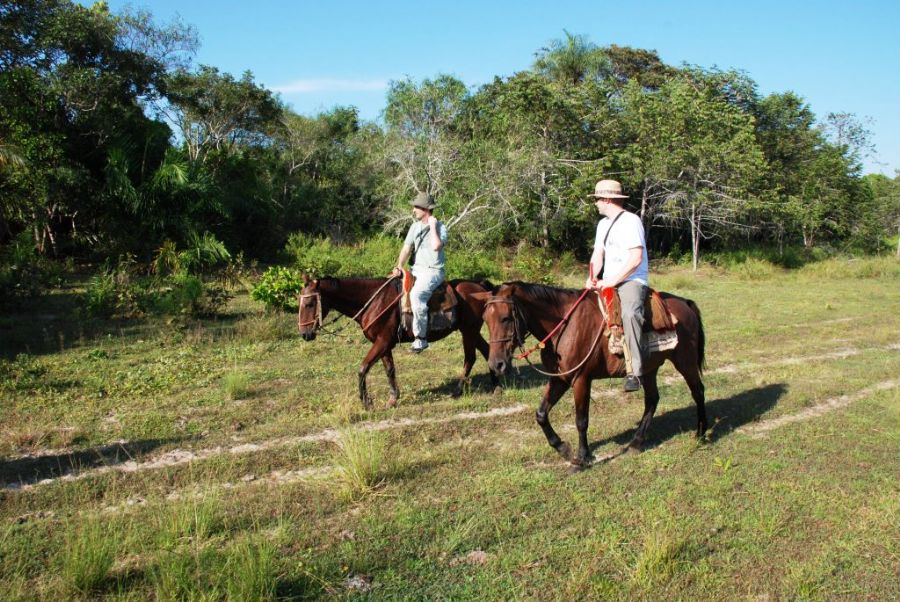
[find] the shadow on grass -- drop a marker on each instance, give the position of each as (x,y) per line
(482,383)
(724,415)
(32,469)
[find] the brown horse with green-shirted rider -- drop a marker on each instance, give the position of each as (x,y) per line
(374,303)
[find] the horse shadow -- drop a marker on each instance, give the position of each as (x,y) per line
(32,469)
(724,415)
(481,383)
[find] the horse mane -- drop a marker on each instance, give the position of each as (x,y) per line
(548,294)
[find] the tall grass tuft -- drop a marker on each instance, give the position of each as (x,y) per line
(660,557)
(251,571)
(361,462)
(192,521)
(87,556)
(236,385)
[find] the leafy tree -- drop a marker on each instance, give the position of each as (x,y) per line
(571,61)
(695,154)
(215,112)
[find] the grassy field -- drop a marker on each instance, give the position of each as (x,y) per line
(228,459)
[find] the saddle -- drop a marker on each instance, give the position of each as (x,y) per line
(441,307)
(659,330)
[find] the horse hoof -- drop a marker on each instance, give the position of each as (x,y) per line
(498,391)
(392,402)
(635,447)
(565,451)
(457,393)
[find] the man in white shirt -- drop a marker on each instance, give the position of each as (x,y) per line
(620,251)
(426,238)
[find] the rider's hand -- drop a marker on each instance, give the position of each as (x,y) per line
(396,271)
(432,220)
(590,283)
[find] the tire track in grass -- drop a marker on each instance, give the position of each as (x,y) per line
(179,457)
(761,429)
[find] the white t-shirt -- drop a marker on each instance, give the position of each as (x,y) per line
(627,233)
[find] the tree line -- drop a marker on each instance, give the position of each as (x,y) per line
(113,142)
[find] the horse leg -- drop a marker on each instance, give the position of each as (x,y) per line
(468,362)
(372,356)
(555,389)
(582,392)
(691,374)
(651,400)
(388,360)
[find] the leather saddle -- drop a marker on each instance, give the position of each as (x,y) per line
(441,307)
(659,323)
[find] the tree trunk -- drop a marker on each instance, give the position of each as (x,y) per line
(695,238)
(644,199)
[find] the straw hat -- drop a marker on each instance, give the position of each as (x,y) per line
(608,189)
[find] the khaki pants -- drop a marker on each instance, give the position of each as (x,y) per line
(633,295)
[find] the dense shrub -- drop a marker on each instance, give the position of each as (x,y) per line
(23,272)
(278,288)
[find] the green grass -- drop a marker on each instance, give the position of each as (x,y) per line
(438,504)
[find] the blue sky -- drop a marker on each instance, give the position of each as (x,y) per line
(321,53)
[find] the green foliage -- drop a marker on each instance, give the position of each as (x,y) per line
(319,257)
(279,288)
(23,272)
(533,264)
(472,264)
(362,462)
(236,385)
(117,292)
(87,556)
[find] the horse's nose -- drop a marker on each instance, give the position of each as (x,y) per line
(498,366)
(308,336)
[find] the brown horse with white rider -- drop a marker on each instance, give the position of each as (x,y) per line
(578,352)
(374,303)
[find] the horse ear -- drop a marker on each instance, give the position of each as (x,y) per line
(483,297)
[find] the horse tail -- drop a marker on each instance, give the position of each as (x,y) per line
(701,336)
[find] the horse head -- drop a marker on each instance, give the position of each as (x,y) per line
(311,309)
(505,324)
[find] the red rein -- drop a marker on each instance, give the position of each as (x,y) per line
(558,326)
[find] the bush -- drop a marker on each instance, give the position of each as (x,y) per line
(533,264)
(23,272)
(472,265)
(278,288)
(319,257)
(115,292)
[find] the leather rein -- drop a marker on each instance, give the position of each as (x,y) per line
(518,339)
(317,320)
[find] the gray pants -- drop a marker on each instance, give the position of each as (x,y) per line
(426,282)
(633,295)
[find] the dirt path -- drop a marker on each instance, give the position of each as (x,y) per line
(179,457)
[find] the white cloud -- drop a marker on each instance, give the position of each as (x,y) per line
(305,86)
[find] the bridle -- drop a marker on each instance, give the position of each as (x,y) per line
(516,335)
(519,340)
(317,321)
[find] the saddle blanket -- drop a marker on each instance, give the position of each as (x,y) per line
(652,341)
